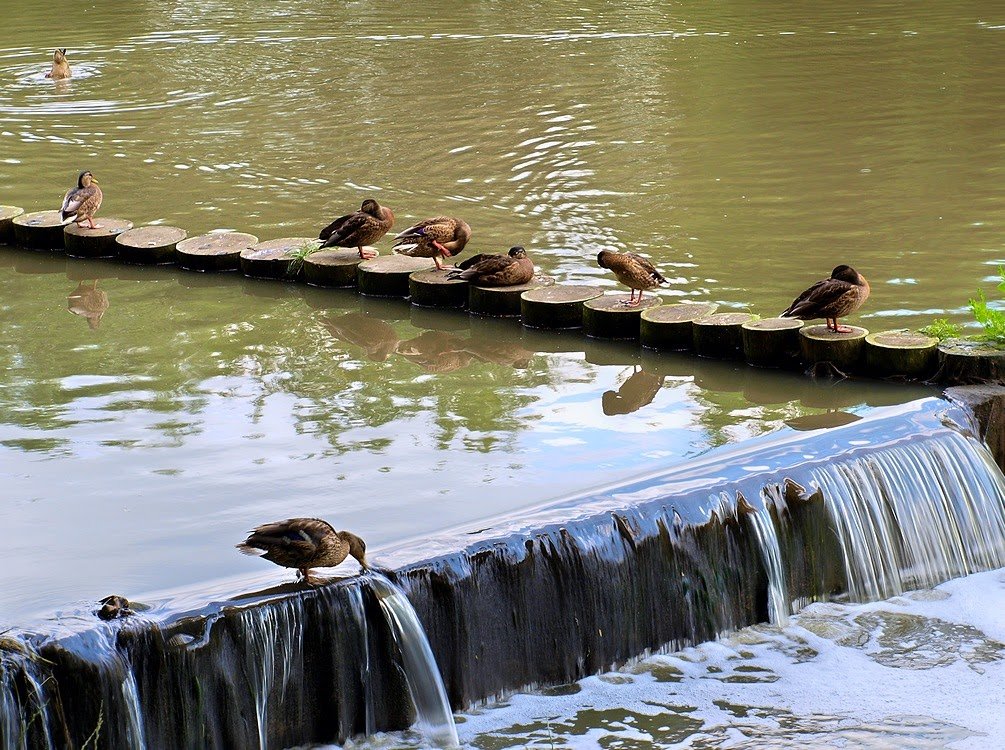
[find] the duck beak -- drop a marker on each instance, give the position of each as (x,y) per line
(364,563)
(94,181)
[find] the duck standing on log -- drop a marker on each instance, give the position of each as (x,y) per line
(496,270)
(304,543)
(840,295)
(441,236)
(60,67)
(82,202)
(360,228)
(632,270)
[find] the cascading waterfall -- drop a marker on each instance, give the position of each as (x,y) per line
(359,612)
(17,714)
(779,603)
(916,514)
(433,714)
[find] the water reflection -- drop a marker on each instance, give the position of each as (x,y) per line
(638,390)
(89,302)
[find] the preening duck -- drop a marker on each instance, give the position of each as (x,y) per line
(360,228)
(840,295)
(441,236)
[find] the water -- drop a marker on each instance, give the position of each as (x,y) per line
(434,716)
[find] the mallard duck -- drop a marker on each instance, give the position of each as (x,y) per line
(497,270)
(304,543)
(89,302)
(441,236)
(843,293)
(60,68)
(358,229)
(82,202)
(632,270)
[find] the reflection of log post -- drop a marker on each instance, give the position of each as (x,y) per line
(387,276)
(152,245)
(843,350)
(333,267)
(963,362)
(39,230)
(502,301)
(608,317)
(274,259)
(432,288)
(556,307)
(771,342)
(7,216)
(668,327)
(720,335)
(900,353)
(84,242)
(216,251)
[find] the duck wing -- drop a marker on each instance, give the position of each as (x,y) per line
(819,298)
(294,537)
(486,266)
(71,202)
(346,231)
(645,265)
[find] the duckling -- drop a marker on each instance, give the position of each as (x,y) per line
(60,67)
(360,228)
(632,270)
(441,236)
(497,270)
(82,202)
(840,295)
(304,543)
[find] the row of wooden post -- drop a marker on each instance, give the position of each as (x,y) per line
(697,327)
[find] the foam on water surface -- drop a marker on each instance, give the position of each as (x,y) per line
(920,670)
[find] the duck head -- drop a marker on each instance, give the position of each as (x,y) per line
(370,206)
(86,179)
(517,252)
(357,547)
(602,258)
(845,273)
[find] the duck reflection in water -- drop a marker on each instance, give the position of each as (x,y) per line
(89,302)
(377,338)
(637,391)
(436,352)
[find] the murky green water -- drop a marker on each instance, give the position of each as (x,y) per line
(747,148)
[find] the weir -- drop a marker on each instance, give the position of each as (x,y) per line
(906,497)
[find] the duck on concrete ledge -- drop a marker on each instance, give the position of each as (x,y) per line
(304,543)
(840,295)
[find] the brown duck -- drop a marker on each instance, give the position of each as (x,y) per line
(441,236)
(82,202)
(60,67)
(843,293)
(304,543)
(496,270)
(632,270)
(358,229)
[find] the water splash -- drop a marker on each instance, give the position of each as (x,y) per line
(433,714)
(916,514)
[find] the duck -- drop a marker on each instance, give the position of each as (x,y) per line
(359,229)
(114,606)
(496,270)
(304,543)
(832,298)
(60,67)
(82,202)
(440,236)
(632,270)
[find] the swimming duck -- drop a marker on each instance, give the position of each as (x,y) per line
(843,293)
(304,543)
(441,236)
(60,67)
(632,270)
(82,202)
(496,270)
(360,228)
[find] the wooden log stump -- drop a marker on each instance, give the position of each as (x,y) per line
(150,245)
(902,353)
(432,288)
(387,276)
(502,301)
(333,267)
(84,242)
(720,335)
(965,362)
(7,216)
(558,307)
(843,350)
(771,342)
(216,251)
(39,230)
(274,259)
(669,327)
(608,317)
